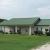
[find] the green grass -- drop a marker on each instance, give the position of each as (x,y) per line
(21,42)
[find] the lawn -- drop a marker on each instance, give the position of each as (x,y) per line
(21,42)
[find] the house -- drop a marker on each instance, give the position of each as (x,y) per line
(20,25)
(25,25)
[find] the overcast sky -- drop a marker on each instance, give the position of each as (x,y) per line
(24,8)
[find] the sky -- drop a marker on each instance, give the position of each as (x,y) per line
(24,8)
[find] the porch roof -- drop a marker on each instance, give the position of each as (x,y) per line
(21,21)
(44,22)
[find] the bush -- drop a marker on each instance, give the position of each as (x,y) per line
(10,32)
(6,33)
(13,32)
(48,33)
(38,32)
(46,30)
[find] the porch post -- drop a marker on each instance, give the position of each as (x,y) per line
(29,30)
(16,29)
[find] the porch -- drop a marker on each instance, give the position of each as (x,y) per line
(17,29)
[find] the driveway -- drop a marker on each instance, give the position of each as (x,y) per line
(43,47)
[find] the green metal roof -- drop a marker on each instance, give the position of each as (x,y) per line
(20,21)
(44,22)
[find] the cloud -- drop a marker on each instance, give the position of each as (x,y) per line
(24,8)
(7,8)
(43,12)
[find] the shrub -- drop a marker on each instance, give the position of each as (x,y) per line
(6,33)
(14,33)
(38,32)
(10,32)
(48,33)
(46,30)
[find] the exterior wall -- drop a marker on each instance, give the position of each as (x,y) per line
(6,29)
(43,28)
(24,30)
